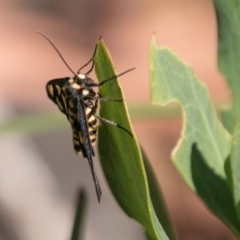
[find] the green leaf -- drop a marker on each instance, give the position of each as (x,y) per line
(172,80)
(157,199)
(215,191)
(235,165)
(120,154)
(148,111)
(228,20)
(77,231)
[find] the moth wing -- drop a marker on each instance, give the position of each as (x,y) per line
(55,93)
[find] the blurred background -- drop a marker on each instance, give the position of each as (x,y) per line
(39,173)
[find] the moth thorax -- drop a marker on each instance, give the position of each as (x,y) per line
(69,91)
(85,92)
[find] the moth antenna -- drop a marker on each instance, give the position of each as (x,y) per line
(114,77)
(60,55)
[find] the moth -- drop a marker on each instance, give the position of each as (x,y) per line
(76,98)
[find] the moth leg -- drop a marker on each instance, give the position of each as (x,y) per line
(106,99)
(112,78)
(109,79)
(109,99)
(91,60)
(101,98)
(113,124)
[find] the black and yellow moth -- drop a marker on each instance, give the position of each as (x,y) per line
(76,98)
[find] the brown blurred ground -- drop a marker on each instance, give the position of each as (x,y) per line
(186,26)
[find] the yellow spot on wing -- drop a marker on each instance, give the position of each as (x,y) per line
(71,120)
(78,153)
(71,81)
(50,90)
(76,142)
(64,102)
(59,104)
(58,89)
(71,104)
(75,86)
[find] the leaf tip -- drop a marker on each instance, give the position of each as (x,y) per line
(153,40)
(100,40)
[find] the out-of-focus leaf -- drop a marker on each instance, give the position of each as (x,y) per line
(46,122)
(235,165)
(78,230)
(34,123)
(172,80)
(228,20)
(214,190)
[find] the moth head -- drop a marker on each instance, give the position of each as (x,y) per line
(82,76)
